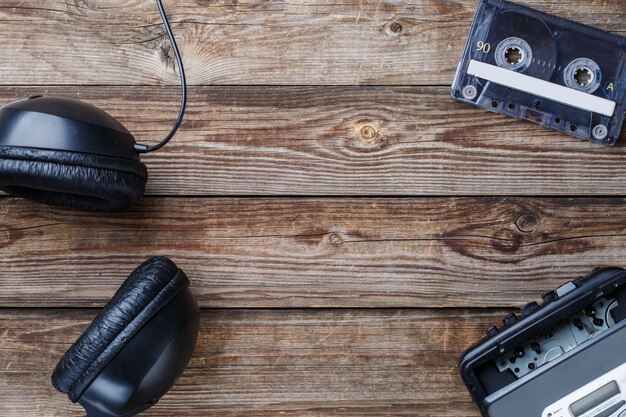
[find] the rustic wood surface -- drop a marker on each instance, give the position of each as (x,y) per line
(272,362)
(251,42)
(447,252)
(349,141)
(348,228)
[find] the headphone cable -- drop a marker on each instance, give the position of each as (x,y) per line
(183,81)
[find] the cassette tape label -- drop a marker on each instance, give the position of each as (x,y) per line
(530,65)
(540,88)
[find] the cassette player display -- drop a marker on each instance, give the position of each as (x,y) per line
(563,358)
(534,66)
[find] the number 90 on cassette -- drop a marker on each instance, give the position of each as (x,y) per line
(537,67)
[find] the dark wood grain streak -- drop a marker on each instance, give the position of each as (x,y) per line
(349,141)
(252,42)
(314,252)
(268,363)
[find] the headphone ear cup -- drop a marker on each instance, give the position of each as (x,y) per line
(148,289)
(72,179)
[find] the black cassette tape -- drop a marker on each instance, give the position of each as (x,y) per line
(545,69)
(563,358)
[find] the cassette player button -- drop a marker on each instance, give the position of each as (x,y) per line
(510,319)
(549,297)
(529,308)
(492,331)
(565,289)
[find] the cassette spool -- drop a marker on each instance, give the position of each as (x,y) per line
(537,67)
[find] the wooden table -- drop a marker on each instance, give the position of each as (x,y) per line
(348,228)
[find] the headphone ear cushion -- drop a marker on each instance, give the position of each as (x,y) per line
(149,288)
(71,179)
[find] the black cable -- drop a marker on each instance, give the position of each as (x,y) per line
(183,81)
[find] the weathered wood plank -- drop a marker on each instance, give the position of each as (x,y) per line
(266,363)
(251,42)
(314,252)
(349,141)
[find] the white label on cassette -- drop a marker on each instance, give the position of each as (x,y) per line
(541,88)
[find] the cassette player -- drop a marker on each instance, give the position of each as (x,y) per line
(563,358)
(537,67)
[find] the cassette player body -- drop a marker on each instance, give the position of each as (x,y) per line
(565,358)
(534,66)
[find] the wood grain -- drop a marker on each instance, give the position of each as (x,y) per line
(328,164)
(349,141)
(121,42)
(314,252)
(272,362)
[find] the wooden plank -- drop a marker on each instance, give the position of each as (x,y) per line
(268,363)
(251,42)
(349,141)
(314,252)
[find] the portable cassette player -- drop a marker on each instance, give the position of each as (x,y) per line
(563,358)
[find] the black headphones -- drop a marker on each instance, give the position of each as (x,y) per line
(72,154)
(136,348)
(69,153)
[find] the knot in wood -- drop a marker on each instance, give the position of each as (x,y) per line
(166,55)
(368,134)
(527,222)
(393,29)
(335,239)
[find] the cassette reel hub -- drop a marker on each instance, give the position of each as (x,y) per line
(514,54)
(583,74)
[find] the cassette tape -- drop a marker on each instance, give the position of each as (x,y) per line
(565,357)
(534,66)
